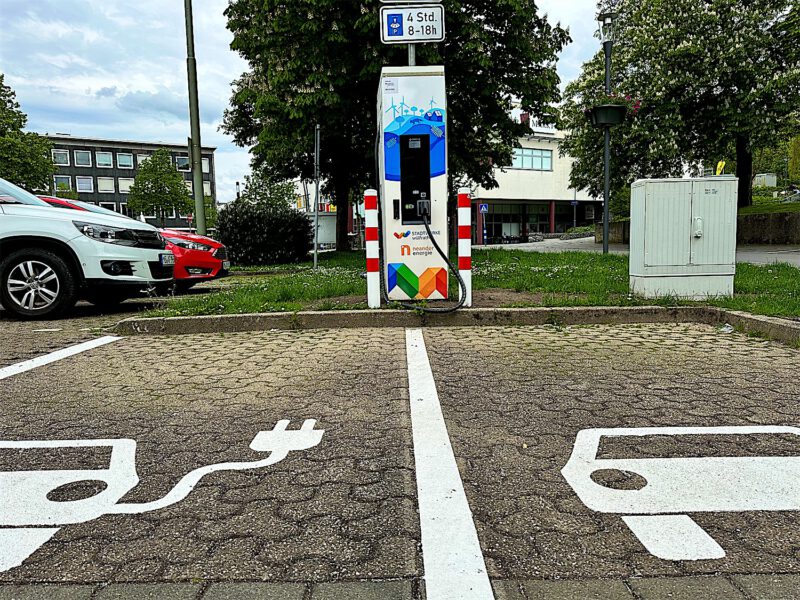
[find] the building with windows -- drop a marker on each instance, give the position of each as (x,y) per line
(102,171)
(534,195)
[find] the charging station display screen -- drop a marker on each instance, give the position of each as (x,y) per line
(415,179)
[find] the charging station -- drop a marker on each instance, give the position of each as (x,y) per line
(412,163)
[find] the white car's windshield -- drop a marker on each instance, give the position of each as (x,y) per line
(12,194)
(98,209)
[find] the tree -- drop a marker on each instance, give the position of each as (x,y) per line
(24,156)
(261,189)
(63,191)
(212,213)
(794,160)
(319,61)
(712,75)
(159,188)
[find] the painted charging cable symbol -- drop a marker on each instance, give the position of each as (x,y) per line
(28,518)
(656,513)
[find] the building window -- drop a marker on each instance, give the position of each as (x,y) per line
(84,184)
(206,165)
(533,159)
(124,184)
(590,213)
(105,185)
(141,158)
(60,158)
(189,186)
(62,182)
(182,163)
(109,205)
(207,188)
(123,208)
(124,161)
(104,159)
(83,158)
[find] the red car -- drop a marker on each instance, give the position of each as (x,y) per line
(197,258)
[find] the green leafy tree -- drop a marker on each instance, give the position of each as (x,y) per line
(24,156)
(63,191)
(212,213)
(260,189)
(159,188)
(711,75)
(319,61)
(794,159)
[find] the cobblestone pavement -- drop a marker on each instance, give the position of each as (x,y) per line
(515,398)
(340,520)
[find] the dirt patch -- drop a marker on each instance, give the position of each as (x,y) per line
(498,297)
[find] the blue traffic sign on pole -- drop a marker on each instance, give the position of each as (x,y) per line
(484,208)
(574,203)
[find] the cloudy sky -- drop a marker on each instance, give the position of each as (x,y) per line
(108,68)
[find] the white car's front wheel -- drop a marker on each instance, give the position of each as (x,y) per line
(36,283)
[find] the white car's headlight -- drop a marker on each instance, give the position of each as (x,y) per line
(120,235)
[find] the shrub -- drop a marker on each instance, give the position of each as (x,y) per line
(258,234)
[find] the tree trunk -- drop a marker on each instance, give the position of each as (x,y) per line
(341,191)
(744,170)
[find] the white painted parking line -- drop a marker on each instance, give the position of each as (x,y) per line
(27,365)
(454,564)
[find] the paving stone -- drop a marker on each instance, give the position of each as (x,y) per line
(151,591)
(255,591)
(770,587)
(507,590)
(363,590)
(686,588)
(46,592)
(576,590)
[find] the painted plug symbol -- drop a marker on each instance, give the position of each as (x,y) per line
(280,441)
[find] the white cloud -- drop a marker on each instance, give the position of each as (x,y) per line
(117,69)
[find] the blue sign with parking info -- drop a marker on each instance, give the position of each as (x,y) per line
(395,24)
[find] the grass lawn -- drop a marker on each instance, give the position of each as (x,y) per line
(540,279)
(770,207)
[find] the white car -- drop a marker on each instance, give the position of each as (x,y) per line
(51,257)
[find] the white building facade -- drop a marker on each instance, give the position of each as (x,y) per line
(534,195)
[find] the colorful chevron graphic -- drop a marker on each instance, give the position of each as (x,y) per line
(419,288)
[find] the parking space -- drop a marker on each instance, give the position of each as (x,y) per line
(24,340)
(339,507)
(515,399)
(313,459)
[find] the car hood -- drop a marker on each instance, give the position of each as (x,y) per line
(191,237)
(68,214)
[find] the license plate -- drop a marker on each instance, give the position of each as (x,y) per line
(167,259)
(226,264)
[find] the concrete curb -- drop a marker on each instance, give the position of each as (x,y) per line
(402,318)
(781,330)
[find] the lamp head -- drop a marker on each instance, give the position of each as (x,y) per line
(606,22)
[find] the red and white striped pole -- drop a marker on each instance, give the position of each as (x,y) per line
(465,241)
(373,249)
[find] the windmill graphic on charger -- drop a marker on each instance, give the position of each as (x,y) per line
(29,518)
(657,512)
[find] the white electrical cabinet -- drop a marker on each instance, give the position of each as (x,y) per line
(683,237)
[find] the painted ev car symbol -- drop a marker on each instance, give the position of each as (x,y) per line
(29,518)
(656,513)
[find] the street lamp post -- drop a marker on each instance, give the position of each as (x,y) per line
(606,21)
(195,151)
